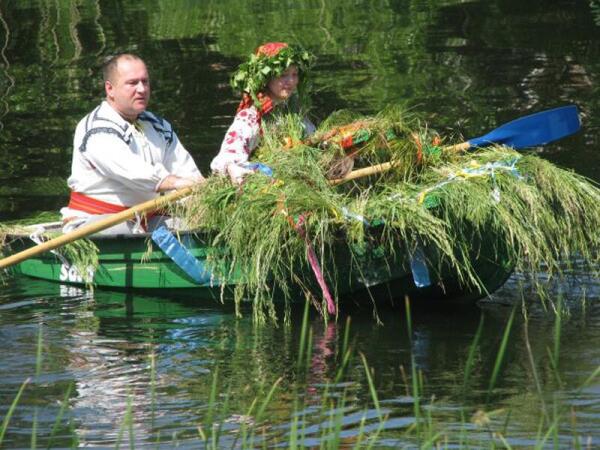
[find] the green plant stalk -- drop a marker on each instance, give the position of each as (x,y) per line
(372,389)
(408,321)
(501,353)
(361,432)
(506,422)
(346,339)
(244,430)
(336,424)
(11,410)
(540,444)
(557,328)
(129,415)
(260,413)
(340,373)
(212,400)
(73,433)
(431,441)
(38,356)
(152,388)
(34,430)
(373,438)
(267,400)
(504,441)
(324,430)
(60,415)
(224,413)
(532,364)
(293,441)
(469,364)
(38,371)
(309,350)
(557,415)
(416,392)
(303,434)
(303,334)
(589,380)
(576,444)
(126,424)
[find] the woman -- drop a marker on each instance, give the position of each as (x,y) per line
(272,80)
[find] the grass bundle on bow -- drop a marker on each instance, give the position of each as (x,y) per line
(538,213)
(81,253)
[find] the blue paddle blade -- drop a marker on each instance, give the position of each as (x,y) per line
(533,130)
(181,256)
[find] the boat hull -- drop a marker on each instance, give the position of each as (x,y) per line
(135,262)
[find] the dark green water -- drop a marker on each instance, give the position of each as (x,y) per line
(466,66)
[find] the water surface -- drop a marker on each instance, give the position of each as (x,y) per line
(466,67)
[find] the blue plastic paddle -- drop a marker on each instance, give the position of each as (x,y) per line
(529,131)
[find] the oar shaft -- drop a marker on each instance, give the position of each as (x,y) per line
(384,167)
(458,147)
(529,131)
(87,230)
(364,172)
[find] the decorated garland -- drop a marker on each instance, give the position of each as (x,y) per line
(270,61)
(282,230)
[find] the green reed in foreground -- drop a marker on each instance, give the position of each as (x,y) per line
(346,411)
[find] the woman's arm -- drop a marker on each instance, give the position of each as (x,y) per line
(241,139)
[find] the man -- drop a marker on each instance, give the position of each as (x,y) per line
(122,154)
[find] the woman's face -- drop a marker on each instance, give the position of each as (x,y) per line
(282,87)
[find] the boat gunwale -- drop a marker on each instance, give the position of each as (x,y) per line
(28,230)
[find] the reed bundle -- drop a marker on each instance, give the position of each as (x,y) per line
(544,215)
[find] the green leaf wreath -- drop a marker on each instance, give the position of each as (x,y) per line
(253,75)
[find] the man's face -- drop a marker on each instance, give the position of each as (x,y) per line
(129,91)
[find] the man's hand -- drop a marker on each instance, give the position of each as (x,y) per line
(174,182)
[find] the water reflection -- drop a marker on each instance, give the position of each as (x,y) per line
(466,66)
(10,81)
(158,358)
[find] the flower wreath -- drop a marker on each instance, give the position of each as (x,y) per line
(270,61)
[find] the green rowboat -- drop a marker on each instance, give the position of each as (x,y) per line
(135,262)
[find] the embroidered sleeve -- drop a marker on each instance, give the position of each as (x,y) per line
(240,140)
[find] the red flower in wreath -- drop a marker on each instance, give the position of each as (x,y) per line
(270,49)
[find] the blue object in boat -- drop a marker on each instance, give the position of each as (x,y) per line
(181,255)
(418,266)
(260,167)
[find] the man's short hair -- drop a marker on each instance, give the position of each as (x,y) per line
(109,68)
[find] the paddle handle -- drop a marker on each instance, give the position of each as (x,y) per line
(86,230)
(364,172)
(464,146)
(384,167)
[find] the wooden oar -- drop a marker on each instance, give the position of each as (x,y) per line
(86,230)
(530,131)
(364,172)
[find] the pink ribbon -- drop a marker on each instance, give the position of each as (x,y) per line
(316,268)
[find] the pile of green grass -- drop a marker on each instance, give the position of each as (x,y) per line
(81,253)
(542,214)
